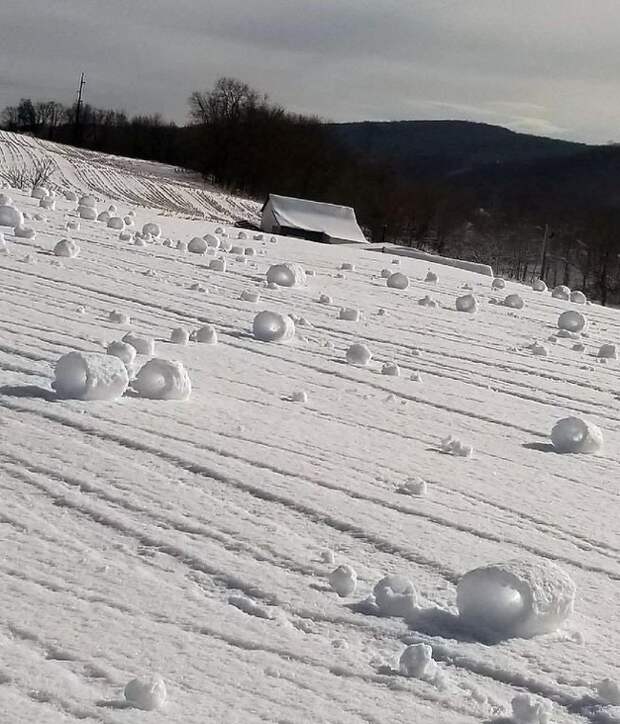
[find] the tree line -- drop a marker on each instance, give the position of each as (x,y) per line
(240,140)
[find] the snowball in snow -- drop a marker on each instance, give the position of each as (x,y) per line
(125,352)
(89,202)
(39,192)
(358,354)
(90,376)
(225,245)
(179,335)
(119,317)
(236,250)
(386,273)
(197,246)
(104,216)
(73,225)
(219,230)
(212,241)
(343,580)
(48,203)
(514,301)
(467,303)
(609,692)
(152,229)
(24,232)
(572,321)
(574,435)
(417,661)
(578,297)
(498,283)
(608,351)
(454,446)
(287,275)
(242,235)
(579,347)
(112,209)
(391,369)
(70,196)
(414,486)
(517,598)
(6,200)
(325,299)
(218,265)
(395,596)
(148,694)
(115,222)
(328,556)
(273,327)
(249,251)
(143,345)
(428,301)
(539,350)
(561,292)
(349,314)
(300,396)
(67,247)
(124,236)
(526,709)
(87,212)
(538,285)
(431,277)
(206,334)
(347,266)
(161,379)
(128,220)
(398,281)
(248,295)
(10,216)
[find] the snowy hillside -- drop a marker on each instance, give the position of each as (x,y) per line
(201,539)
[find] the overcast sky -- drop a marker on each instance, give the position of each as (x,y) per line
(549,67)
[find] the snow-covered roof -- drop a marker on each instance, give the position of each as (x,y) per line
(336,222)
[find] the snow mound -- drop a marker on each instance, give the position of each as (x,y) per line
(391,369)
(328,556)
(247,605)
(395,595)
(578,298)
(104,216)
(561,292)
(247,295)
(119,317)
(325,299)
(343,580)
(148,693)
(48,202)
(116,222)
(152,229)
(67,247)
(206,334)
(287,275)
(349,314)
(225,245)
(518,598)
(538,285)
(467,303)
(608,351)
(24,232)
(572,321)
(454,446)
(608,691)
(574,435)
(514,301)
(527,709)
(90,376)
(197,246)
(142,345)
(88,202)
(398,281)
(70,196)
(417,662)
(359,354)
(498,283)
(10,216)
(428,301)
(431,277)
(538,349)
(273,327)
(161,379)
(179,335)
(218,265)
(87,212)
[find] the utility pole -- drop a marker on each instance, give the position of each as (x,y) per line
(77,130)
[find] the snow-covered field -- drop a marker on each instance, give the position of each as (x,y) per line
(197,539)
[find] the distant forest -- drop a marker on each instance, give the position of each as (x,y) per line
(528,206)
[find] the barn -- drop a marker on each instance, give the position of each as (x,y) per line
(312,220)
